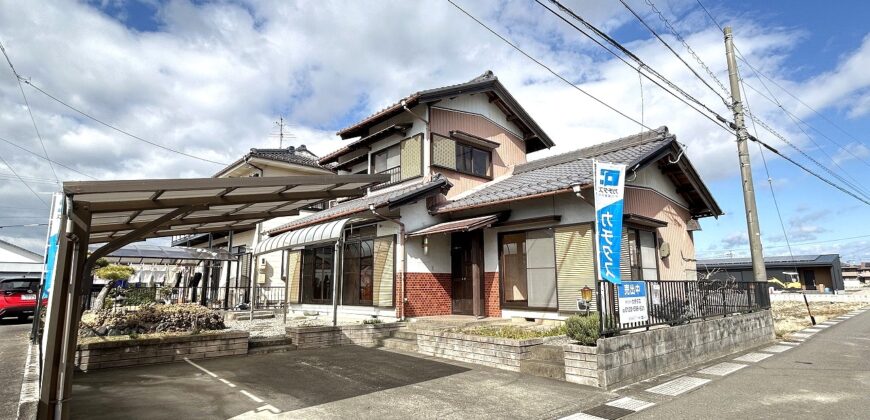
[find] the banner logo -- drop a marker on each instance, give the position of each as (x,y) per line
(609,189)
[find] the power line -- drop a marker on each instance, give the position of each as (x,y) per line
(800,243)
(553,72)
(35,194)
(127,133)
(29,111)
(43,157)
(685,45)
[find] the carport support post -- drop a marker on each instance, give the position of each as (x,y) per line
(229,266)
(336,273)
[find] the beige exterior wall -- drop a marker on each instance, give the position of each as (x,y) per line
(510,152)
(680,264)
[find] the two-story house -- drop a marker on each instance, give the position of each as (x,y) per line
(468,224)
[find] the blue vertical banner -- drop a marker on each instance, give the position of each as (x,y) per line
(609,185)
(50,258)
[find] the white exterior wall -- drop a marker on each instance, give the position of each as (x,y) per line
(652,177)
(479,104)
(15,262)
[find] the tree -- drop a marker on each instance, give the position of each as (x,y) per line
(112,273)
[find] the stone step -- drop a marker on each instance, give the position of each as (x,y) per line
(405,334)
(399,344)
(544,369)
(545,353)
(271,349)
(246,316)
(269,341)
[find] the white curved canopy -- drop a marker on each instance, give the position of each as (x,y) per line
(325,232)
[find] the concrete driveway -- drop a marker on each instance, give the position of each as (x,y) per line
(340,382)
(13,351)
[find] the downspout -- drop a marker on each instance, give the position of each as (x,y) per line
(248,162)
(405,107)
(401,242)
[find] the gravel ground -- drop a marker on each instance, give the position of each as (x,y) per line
(789,317)
(274,327)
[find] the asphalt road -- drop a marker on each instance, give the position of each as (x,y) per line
(827,376)
(13,352)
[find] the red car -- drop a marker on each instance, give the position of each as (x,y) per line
(18,297)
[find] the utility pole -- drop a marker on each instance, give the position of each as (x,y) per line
(758,269)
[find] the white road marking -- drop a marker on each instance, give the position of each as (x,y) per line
(800,335)
(200,368)
(678,386)
(227,382)
(822,326)
(255,398)
(753,357)
(722,369)
(776,349)
(630,404)
(582,416)
(789,343)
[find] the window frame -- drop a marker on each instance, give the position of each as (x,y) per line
(637,229)
(501,284)
(303,284)
(457,143)
(358,241)
(472,148)
(397,147)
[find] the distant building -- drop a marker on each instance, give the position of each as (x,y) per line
(856,275)
(813,270)
(16,261)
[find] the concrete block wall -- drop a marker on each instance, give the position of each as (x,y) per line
(581,364)
(149,351)
(366,335)
(499,353)
(629,358)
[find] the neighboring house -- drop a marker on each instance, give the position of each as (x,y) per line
(855,276)
(16,261)
(468,224)
(256,163)
(813,270)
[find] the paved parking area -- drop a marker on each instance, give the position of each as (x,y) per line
(13,352)
(339,382)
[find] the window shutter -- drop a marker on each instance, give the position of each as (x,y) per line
(412,157)
(294,270)
(575,265)
(384,276)
(444,152)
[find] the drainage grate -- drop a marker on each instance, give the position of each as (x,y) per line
(789,343)
(753,357)
(820,326)
(722,369)
(800,335)
(630,404)
(678,386)
(776,349)
(608,412)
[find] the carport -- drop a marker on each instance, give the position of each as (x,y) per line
(117,213)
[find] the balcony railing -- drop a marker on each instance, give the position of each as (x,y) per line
(395,177)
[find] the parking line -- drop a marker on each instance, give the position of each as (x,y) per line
(251,396)
(227,382)
(200,368)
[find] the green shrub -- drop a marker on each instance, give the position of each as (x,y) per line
(114,272)
(136,296)
(514,332)
(372,321)
(583,329)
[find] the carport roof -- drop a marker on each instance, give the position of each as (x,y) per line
(168,207)
(169,255)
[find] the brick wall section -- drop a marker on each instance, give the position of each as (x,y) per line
(491,297)
(631,358)
(366,335)
(501,353)
(428,294)
(149,351)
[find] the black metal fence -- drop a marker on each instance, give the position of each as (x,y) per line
(264,297)
(676,302)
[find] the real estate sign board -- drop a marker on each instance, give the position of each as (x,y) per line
(609,185)
(632,302)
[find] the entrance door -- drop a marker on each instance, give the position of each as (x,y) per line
(467,266)
(810,279)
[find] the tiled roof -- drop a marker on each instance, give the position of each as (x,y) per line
(295,155)
(350,207)
(562,172)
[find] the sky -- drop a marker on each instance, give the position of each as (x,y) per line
(210,78)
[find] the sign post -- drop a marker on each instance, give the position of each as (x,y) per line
(48,261)
(632,302)
(609,190)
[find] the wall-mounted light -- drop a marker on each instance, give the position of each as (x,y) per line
(425,245)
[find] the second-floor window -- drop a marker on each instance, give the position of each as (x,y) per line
(389,161)
(472,160)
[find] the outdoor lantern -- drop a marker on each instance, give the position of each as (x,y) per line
(585,299)
(586,292)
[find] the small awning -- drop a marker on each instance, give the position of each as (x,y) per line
(463,225)
(164,255)
(643,220)
(324,232)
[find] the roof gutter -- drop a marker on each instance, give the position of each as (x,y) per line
(248,162)
(576,189)
(404,105)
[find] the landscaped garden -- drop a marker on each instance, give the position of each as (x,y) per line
(574,330)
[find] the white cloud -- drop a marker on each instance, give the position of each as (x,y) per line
(214,77)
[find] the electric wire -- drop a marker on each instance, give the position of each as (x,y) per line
(29,111)
(827,241)
(11,143)
(686,46)
(35,194)
(122,131)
